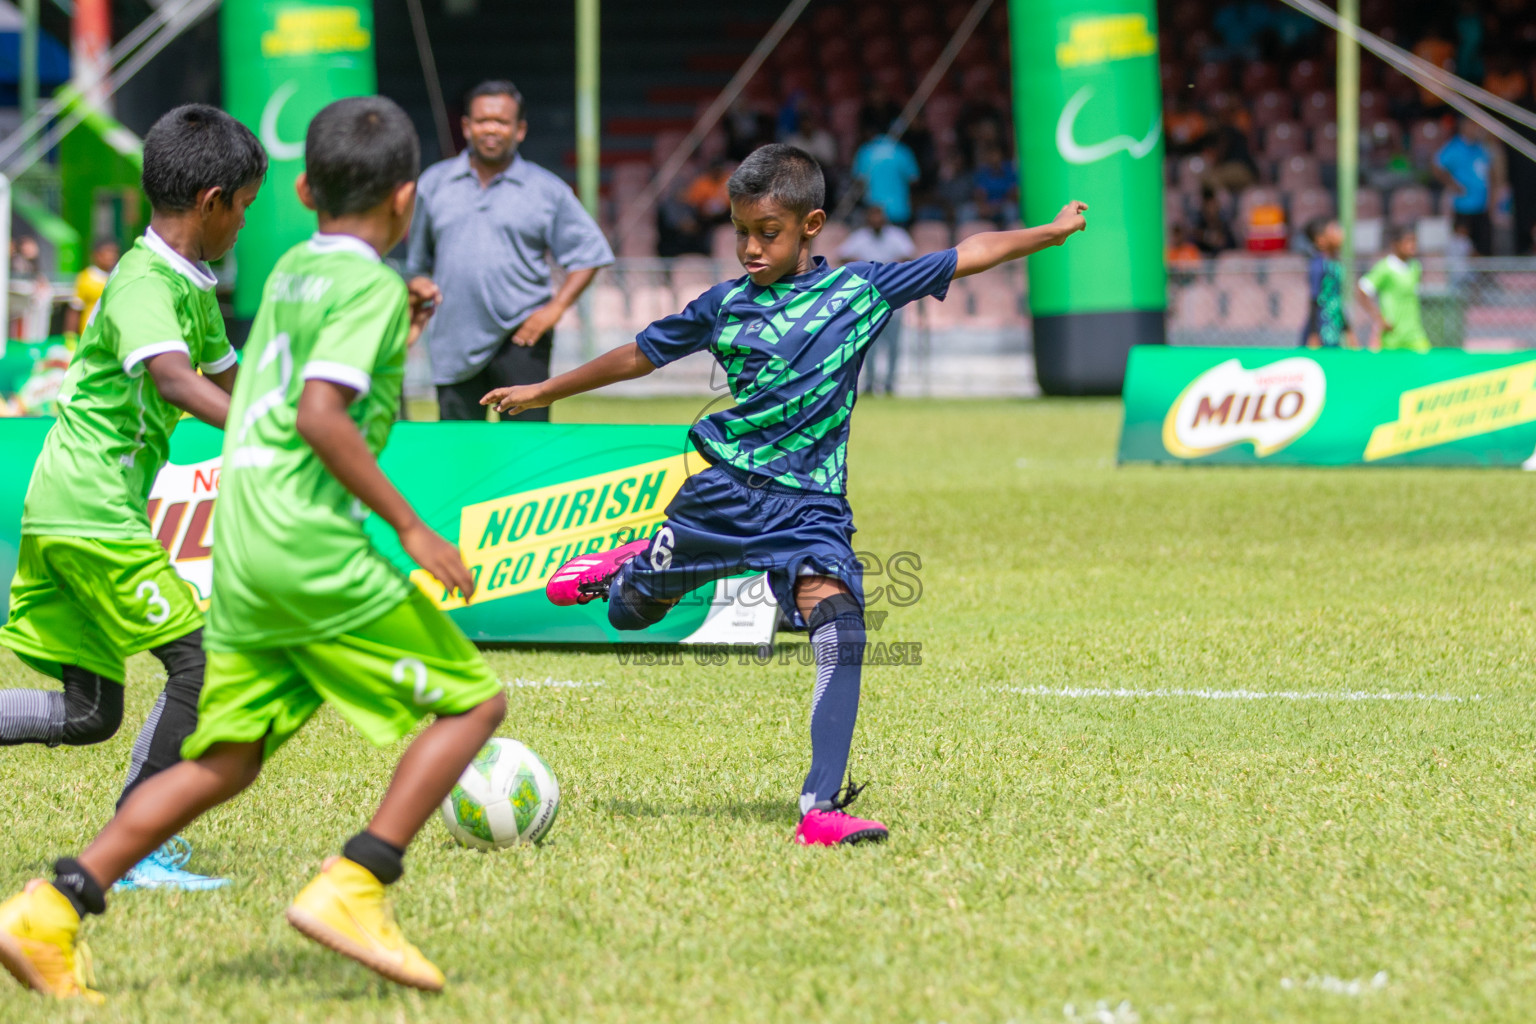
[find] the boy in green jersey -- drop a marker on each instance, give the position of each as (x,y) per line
(92,585)
(1390,293)
(304,610)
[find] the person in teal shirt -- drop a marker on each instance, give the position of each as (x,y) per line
(1390,292)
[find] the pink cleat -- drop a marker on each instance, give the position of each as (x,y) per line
(586,577)
(837,827)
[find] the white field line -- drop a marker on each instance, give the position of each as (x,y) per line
(1076,692)
(553,683)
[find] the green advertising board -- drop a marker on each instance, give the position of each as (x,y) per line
(283,61)
(520,501)
(1088,111)
(1329,407)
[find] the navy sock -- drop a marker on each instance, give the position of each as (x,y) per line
(83,892)
(385,860)
(837,636)
(628,609)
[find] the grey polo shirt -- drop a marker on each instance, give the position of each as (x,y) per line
(485,248)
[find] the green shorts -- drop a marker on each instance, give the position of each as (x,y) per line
(383,677)
(93,601)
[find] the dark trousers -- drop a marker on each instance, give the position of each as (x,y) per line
(512,364)
(1480,230)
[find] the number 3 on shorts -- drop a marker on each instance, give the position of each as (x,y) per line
(159,608)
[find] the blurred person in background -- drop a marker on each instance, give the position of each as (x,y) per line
(813,136)
(952,198)
(879,241)
(879,112)
(997,187)
(1327,322)
(706,194)
(485,221)
(1465,166)
(1213,233)
(887,170)
(1390,293)
(1227,155)
(1182,255)
(90,283)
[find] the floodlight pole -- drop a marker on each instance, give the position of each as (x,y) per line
(28,83)
(587,140)
(1349,139)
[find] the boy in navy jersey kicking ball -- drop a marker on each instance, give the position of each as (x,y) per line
(791,336)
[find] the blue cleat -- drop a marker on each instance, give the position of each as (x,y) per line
(166,869)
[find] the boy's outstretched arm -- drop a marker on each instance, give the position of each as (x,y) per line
(189,390)
(990,248)
(327,427)
(624,363)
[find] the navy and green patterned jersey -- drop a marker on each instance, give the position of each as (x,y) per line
(1326,317)
(791,351)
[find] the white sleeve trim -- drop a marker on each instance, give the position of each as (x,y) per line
(339,373)
(1367,286)
(220,365)
(134,364)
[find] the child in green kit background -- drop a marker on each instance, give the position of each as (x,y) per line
(1390,292)
(304,611)
(92,585)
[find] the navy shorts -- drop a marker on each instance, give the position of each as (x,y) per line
(724,523)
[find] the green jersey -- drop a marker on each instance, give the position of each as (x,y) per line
(294,565)
(1395,287)
(113,431)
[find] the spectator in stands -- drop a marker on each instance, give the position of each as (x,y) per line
(879,111)
(747,126)
(886,170)
(813,136)
(1182,255)
(1327,321)
(90,283)
(952,198)
(1386,165)
(485,220)
(678,230)
(706,194)
(1184,126)
(1213,234)
(997,188)
(980,122)
(1465,166)
(879,241)
(1441,52)
(1228,157)
(1390,293)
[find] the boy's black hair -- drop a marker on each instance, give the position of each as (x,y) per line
(786,174)
(101,243)
(197,147)
(1397,232)
(496,87)
(1315,228)
(357,151)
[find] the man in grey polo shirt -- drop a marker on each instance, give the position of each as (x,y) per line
(484,222)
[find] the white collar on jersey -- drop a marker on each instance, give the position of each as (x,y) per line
(321,243)
(197,273)
(1396,263)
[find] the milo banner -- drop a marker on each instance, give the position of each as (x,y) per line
(283,61)
(1089,119)
(520,502)
(1329,407)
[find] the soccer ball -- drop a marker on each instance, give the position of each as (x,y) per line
(507,795)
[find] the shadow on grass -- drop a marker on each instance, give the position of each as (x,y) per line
(770,811)
(329,975)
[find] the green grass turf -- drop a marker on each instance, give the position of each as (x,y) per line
(1179,856)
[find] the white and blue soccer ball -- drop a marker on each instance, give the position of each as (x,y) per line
(506,796)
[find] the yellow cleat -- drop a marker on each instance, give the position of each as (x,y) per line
(344,909)
(38,945)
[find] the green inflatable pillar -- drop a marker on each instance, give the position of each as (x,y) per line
(1089,115)
(283,61)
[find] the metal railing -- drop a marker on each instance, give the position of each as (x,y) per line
(1477,304)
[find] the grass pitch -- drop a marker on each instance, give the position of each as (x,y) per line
(1090,819)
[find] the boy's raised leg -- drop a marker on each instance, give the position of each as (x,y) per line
(344,908)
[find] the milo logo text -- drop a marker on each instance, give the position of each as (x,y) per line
(1268,407)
